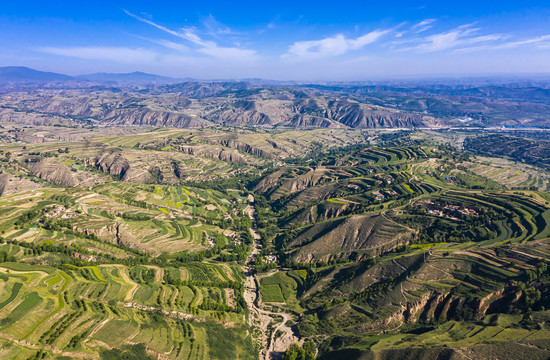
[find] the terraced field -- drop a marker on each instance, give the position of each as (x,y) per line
(167,219)
(398,244)
(510,174)
(77,310)
(211,244)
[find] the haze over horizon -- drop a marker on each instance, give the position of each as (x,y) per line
(292,41)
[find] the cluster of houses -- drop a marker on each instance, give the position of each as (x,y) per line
(449,179)
(381,195)
(234,211)
(381,179)
(384,177)
(457,208)
(235,237)
(435,212)
(211,242)
(378,195)
(59,210)
(462,210)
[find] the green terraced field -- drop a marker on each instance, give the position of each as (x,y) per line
(395,244)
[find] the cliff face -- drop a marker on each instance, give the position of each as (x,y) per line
(10,184)
(112,163)
(435,307)
(115,233)
(239,145)
(115,164)
(213,153)
(57,173)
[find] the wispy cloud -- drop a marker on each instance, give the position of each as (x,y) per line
(461,36)
(206,47)
(423,25)
(160,27)
(270,25)
(533,41)
(216,28)
(170,45)
(538,41)
(331,46)
(121,55)
(166,44)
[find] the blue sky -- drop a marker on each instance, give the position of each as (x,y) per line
(286,40)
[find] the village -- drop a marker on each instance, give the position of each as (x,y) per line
(447,210)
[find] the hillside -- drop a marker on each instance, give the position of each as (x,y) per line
(405,252)
(142,99)
(191,105)
(220,243)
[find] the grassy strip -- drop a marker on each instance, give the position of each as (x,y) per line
(94,269)
(14,292)
(59,308)
(30,302)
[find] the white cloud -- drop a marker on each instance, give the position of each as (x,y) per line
(215,28)
(168,44)
(153,24)
(331,46)
(207,47)
(423,25)
(460,36)
(229,53)
(115,54)
(541,42)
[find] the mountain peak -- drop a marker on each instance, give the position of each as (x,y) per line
(26,74)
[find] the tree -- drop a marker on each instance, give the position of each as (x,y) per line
(309,347)
(295,352)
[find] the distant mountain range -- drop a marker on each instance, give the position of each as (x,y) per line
(21,74)
(25,74)
(134,77)
(166,101)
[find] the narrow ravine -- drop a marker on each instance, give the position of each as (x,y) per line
(259,318)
